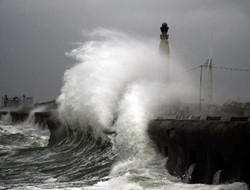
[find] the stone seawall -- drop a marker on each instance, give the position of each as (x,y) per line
(58,131)
(21,116)
(208,152)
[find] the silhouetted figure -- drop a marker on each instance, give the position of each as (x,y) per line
(15,100)
(24,99)
(5,102)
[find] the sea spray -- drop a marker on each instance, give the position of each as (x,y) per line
(6,119)
(95,86)
(139,104)
(119,84)
(31,118)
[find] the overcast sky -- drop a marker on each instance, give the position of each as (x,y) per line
(35,34)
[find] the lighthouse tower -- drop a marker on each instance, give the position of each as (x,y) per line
(164,47)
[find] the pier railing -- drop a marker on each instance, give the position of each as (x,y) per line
(16,101)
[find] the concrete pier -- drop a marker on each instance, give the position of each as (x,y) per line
(208,152)
(58,131)
(21,116)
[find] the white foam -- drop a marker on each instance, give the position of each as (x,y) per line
(121,78)
(31,117)
(6,119)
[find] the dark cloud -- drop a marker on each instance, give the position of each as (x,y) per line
(35,34)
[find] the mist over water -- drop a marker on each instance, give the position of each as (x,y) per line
(108,71)
(119,84)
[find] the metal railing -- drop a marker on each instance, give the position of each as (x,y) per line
(16,101)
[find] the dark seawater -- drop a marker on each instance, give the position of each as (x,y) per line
(79,162)
(25,159)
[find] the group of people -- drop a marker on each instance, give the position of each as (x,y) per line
(13,101)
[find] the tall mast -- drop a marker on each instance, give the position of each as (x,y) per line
(210,75)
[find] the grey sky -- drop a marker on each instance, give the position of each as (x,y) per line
(35,34)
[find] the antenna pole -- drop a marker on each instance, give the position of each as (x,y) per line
(200,98)
(210,74)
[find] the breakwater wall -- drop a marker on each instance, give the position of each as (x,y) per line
(58,131)
(21,116)
(208,152)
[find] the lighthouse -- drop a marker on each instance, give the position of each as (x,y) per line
(164,47)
